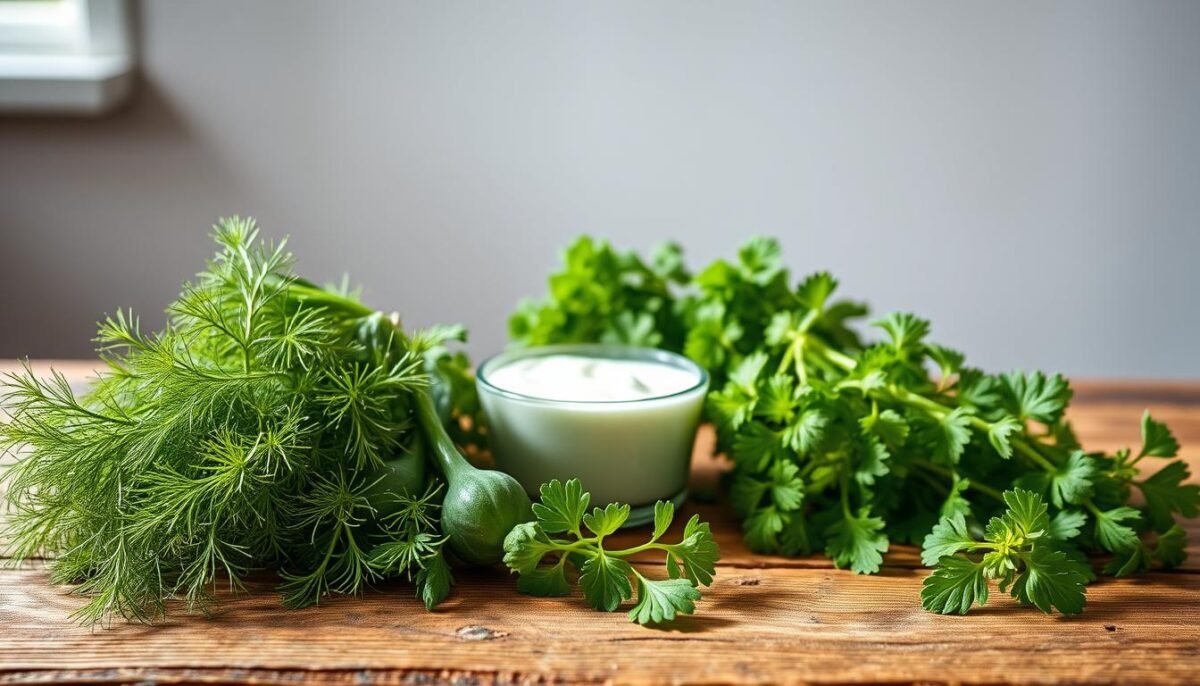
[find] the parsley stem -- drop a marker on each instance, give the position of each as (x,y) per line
(982,488)
(1028,451)
(845,488)
(649,545)
(835,356)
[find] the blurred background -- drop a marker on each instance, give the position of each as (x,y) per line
(1026,175)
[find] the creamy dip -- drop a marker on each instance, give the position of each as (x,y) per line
(582,378)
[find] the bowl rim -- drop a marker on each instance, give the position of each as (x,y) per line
(602,350)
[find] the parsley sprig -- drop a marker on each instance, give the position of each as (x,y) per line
(1021,549)
(546,564)
(847,441)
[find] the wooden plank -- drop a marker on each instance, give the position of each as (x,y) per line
(763,625)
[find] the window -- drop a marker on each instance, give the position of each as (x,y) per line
(64,56)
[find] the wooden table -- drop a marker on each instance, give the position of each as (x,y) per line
(766,619)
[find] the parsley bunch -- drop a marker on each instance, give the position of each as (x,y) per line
(846,446)
(607,296)
(604,574)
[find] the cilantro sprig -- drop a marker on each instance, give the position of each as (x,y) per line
(846,441)
(547,564)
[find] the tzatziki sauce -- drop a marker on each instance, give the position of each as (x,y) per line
(578,378)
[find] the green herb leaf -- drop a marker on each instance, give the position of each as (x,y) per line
(888,426)
(1157,440)
(603,522)
(604,574)
(659,601)
(1035,396)
(545,581)
(948,537)
(1052,581)
(1167,495)
(948,436)
(664,513)
(605,581)
(1066,525)
(956,585)
(695,557)
(805,433)
(562,506)
(762,529)
(1000,435)
(1111,534)
(434,581)
(857,542)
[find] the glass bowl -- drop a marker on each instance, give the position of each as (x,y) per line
(629,451)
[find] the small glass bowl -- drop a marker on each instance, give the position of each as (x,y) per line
(628,451)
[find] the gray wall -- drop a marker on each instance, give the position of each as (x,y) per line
(1025,174)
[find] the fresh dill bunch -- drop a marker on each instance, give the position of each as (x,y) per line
(252,432)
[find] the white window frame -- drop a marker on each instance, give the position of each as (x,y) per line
(65,57)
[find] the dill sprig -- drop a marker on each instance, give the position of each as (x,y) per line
(245,435)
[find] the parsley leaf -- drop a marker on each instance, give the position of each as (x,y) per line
(762,529)
(954,586)
(948,436)
(787,489)
(1157,440)
(1166,495)
(888,426)
(1017,551)
(605,581)
(804,435)
(857,542)
(1070,483)
(1112,534)
(658,601)
(948,537)
(1066,525)
(758,446)
(605,576)
(1051,581)
(1000,433)
(907,331)
(695,557)
(1035,396)
(603,522)
(561,507)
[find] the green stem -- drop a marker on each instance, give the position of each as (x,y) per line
(837,357)
(309,293)
(649,545)
(1028,451)
(982,488)
(845,488)
(928,478)
(449,460)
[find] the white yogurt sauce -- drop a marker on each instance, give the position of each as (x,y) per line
(582,378)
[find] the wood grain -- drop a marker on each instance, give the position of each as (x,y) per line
(767,619)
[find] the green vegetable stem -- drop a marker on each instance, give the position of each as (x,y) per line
(481,506)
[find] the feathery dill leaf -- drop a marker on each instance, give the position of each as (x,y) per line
(240,437)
